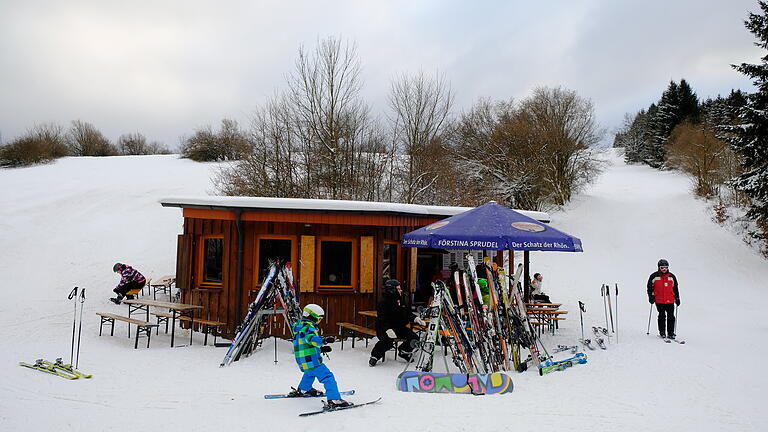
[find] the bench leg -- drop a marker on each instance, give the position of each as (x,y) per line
(149,335)
(112,332)
(101,325)
(205,340)
(136,345)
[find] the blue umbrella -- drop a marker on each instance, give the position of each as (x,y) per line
(492,227)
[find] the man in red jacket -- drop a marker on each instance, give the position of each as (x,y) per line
(663,290)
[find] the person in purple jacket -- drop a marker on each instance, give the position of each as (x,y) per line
(130,279)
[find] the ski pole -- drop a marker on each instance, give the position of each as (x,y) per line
(80,329)
(617,313)
(674,329)
(610,306)
(72,295)
(650,311)
(582,308)
(605,304)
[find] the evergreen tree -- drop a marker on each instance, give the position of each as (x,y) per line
(688,103)
(750,138)
(661,125)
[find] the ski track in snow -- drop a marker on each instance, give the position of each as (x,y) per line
(64,224)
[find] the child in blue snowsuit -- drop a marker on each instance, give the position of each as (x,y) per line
(308,347)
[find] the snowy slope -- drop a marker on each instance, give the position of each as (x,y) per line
(66,223)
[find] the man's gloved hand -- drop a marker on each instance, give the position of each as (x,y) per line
(651,299)
(329,340)
(391,334)
(420,322)
(677,302)
(325,349)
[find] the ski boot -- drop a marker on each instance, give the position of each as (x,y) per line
(299,393)
(115,300)
(338,403)
(372,361)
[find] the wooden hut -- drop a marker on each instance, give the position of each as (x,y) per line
(341,251)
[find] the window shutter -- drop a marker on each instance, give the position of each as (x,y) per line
(366,264)
(412,276)
(307,264)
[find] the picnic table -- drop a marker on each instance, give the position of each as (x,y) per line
(175,308)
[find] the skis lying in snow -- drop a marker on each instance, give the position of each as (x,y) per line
(598,339)
(56,368)
(285,396)
(550,366)
(588,343)
(328,408)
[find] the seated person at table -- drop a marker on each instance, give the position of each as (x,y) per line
(391,321)
(130,279)
(536,293)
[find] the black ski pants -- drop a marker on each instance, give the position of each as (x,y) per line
(666,315)
(385,343)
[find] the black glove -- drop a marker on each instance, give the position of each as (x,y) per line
(325,349)
(329,340)
(651,299)
(677,302)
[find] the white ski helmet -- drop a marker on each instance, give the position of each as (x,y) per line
(313,311)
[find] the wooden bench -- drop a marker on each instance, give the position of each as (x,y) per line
(141,326)
(365,331)
(162,284)
(353,329)
(208,324)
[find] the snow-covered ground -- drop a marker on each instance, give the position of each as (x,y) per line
(66,223)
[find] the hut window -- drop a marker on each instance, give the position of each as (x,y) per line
(271,249)
(336,263)
(213,248)
(390,262)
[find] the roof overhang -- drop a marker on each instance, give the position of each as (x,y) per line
(323,206)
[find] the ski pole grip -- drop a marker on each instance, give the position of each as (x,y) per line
(82,295)
(72,293)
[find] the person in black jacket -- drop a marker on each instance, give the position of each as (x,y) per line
(391,322)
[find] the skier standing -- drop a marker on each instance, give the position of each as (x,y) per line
(308,348)
(130,279)
(663,290)
(391,322)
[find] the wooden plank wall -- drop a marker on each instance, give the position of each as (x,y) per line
(340,306)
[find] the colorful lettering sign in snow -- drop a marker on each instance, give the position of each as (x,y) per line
(429,382)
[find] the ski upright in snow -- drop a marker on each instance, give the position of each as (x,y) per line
(327,408)
(285,395)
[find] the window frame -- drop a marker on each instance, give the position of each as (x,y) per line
(355,270)
(257,254)
(201,261)
(397,259)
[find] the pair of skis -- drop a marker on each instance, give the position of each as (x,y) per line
(58,368)
(326,406)
(560,365)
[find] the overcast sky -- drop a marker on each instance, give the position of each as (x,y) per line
(166,67)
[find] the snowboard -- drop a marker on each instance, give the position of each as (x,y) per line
(431,382)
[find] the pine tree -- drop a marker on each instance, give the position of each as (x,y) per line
(688,108)
(661,125)
(750,138)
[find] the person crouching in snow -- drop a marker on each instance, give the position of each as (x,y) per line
(391,321)
(308,348)
(130,279)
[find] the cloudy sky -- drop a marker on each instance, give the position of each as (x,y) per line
(166,67)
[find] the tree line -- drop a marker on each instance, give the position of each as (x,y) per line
(721,143)
(48,141)
(319,139)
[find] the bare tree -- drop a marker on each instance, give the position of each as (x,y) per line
(84,139)
(228,143)
(564,125)
(40,144)
(317,140)
(420,108)
(136,144)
